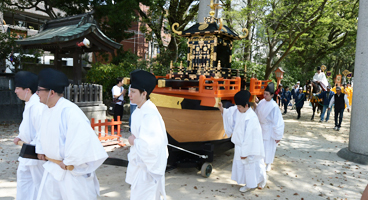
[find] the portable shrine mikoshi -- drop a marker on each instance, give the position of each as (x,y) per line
(188,97)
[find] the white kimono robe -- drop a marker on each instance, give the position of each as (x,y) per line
(321,77)
(66,134)
(247,136)
(148,156)
(30,171)
(272,124)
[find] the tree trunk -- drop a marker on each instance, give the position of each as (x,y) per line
(268,69)
(336,68)
(227,7)
(248,43)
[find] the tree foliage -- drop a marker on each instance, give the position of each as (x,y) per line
(8,48)
(158,20)
(7,45)
(296,35)
(115,17)
(331,43)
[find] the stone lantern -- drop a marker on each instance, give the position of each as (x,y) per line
(279,75)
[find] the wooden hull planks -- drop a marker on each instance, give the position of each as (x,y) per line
(193,125)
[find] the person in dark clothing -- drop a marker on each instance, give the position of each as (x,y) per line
(286,96)
(118,93)
(294,92)
(299,101)
(305,89)
(326,96)
(278,93)
(340,100)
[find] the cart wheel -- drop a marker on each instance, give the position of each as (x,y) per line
(206,169)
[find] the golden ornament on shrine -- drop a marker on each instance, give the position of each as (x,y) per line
(202,26)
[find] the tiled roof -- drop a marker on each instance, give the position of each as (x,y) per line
(67,29)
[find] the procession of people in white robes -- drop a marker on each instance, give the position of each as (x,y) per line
(245,131)
(148,153)
(272,123)
(30,171)
(61,131)
(66,135)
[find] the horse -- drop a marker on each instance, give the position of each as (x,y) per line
(307,92)
(313,89)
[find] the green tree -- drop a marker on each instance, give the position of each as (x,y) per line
(283,26)
(296,35)
(7,46)
(242,15)
(159,18)
(11,53)
(331,42)
(115,17)
(106,74)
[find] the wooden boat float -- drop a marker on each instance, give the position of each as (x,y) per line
(192,115)
(192,119)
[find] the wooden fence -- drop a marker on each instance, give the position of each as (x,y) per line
(85,94)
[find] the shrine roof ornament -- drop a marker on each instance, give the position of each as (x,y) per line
(211,25)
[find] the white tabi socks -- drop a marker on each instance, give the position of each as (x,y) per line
(268,167)
(244,189)
(262,184)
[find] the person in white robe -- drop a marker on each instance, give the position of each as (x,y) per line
(320,77)
(30,171)
(148,152)
(272,124)
(66,135)
(242,124)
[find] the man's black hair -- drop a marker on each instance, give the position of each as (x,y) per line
(147,96)
(118,80)
(246,103)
